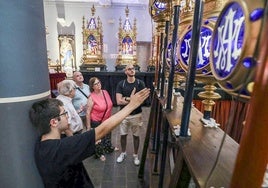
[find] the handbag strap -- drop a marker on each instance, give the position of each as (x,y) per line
(106,105)
(82,92)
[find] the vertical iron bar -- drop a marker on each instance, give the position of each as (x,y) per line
(150,126)
(169,97)
(188,96)
(173,54)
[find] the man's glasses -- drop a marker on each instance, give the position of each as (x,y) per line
(130,69)
(62,114)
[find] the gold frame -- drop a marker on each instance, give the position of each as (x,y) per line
(127,37)
(92,44)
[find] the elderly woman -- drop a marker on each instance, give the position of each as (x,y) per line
(99,108)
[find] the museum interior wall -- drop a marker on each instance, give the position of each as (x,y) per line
(66,19)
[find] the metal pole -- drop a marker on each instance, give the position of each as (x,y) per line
(252,156)
(173,58)
(188,96)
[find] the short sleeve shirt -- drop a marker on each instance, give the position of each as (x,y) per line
(58,158)
(74,119)
(80,99)
(125,88)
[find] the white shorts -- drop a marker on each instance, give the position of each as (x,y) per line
(133,122)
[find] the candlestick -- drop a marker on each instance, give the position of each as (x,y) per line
(164,60)
(159,64)
(209,95)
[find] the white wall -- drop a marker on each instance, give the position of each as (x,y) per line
(73,13)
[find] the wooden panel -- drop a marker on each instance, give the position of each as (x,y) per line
(201,149)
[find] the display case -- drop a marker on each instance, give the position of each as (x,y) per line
(127,45)
(92,59)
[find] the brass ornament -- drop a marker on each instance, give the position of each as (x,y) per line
(239,68)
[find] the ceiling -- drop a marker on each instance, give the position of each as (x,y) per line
(107,2)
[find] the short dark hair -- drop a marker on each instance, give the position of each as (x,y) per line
(42,112)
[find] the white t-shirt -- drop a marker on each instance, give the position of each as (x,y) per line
(74,119)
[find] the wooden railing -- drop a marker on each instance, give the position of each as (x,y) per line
(202,157)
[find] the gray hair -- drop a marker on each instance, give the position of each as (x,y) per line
(66,86)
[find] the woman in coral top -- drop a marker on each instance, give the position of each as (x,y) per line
(99,109)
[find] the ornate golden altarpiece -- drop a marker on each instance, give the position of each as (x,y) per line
(92,59)
(127,45)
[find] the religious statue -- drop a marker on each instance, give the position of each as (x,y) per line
(67,59)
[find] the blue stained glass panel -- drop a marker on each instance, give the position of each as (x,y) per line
(204,48)
(228,40)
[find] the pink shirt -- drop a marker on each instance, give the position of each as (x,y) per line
(99,106)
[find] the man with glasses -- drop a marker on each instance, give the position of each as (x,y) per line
(67,90)
(59,160)
(134,120)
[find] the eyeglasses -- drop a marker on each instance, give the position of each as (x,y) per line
(97,83)
(62,114)
(130,69)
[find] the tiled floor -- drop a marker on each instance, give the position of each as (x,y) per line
(110,174)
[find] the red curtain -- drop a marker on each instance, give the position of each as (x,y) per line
(55,78)
(229,114)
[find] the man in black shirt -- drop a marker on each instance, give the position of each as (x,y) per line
(59,161)
(134,120)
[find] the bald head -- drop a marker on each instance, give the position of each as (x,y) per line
(76,73)
(78,78)
(130,65)
(130,70)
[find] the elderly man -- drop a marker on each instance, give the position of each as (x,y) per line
(81,95)
(67,89)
